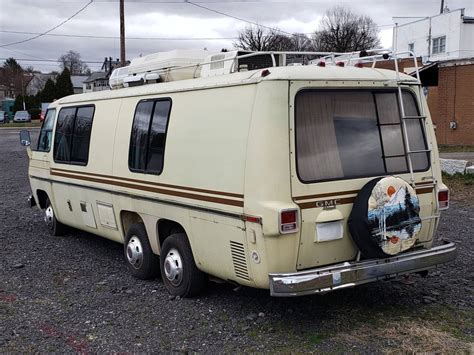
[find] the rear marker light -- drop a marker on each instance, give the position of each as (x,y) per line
(359,65)
(288,221)
(443,199)
(321,64)
(340,64)
(265,73)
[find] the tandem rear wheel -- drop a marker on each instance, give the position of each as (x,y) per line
(180,275)
(178,268)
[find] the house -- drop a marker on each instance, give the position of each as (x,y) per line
(6,91)
(97,81)
(449,35)
(37,82)
(450,86)
(78,83)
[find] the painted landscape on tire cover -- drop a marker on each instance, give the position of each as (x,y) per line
(397,219)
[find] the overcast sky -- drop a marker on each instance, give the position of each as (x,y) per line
(174,19)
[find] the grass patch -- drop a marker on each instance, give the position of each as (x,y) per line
(459,179)
(32,124)
(316,339)
(455,148)
(461,187)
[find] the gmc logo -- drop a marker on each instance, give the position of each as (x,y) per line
(327,204)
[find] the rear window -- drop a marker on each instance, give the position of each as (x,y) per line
(354,134)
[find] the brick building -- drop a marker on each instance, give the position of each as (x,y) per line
(451,101)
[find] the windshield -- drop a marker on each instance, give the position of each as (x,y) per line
(353,134)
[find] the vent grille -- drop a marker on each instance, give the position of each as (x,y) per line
(239,260)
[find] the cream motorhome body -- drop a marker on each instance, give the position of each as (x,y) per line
(250,177)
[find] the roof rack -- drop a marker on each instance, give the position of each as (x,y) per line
(222,63)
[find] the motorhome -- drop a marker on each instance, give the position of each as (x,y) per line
(300,179)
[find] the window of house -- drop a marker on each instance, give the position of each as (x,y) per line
(411,47)
(46,133)
(439,45)
(148,136)
(354,134)
(72,137)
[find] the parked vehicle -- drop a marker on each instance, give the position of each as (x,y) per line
(3,117)
(22,116)
(297,179)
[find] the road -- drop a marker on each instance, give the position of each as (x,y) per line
(74,294)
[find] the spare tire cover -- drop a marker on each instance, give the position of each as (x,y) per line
(385,220)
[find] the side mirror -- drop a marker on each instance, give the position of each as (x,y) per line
(25,139)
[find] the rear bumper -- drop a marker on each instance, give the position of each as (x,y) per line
(339,276)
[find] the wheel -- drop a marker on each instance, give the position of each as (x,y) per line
(55,227)
(141,261)
(385,219)
(178,269)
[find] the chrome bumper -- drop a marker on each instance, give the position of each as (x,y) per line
(344,275)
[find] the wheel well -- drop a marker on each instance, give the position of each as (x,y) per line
(42,198)
(128,218)
(167,227)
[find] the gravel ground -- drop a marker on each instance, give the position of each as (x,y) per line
(74,294)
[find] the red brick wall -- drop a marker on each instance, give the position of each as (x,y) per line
(453,100)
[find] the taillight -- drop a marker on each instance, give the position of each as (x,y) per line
(443,199)
(288,221)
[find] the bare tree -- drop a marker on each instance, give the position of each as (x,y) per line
(72,61)
(255,38)
(342,30)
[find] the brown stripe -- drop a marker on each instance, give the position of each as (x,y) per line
(424,190)
(154,189)
(350,192)
(154,183)
(343,201)
(329,194)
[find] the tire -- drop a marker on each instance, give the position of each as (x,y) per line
(178,268)
(141,261)
(391,225)
(55,227)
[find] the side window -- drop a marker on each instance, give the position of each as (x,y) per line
(147,140)
(156,141)
(63,135)
(45,136)
(72,137)
(82,135)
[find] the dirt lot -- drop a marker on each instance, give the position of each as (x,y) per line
(74,294)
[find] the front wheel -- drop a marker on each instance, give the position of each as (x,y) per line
(55,227)
(178,269)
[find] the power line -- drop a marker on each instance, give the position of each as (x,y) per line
(116,37)
(52,29)
(52,60)
(236,18)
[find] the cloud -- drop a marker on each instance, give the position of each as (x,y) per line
(153,18)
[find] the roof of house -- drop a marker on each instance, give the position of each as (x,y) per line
(99,75)
(78,80)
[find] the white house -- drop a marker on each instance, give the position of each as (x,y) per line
(449,35)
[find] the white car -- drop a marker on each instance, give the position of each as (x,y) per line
(22,116)
(3,117)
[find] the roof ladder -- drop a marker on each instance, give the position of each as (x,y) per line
(404,118)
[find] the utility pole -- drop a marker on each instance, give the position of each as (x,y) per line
(122,33)
(442,7)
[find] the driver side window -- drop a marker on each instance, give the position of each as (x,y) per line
(46,133)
